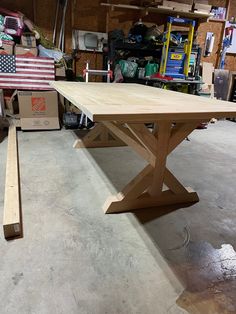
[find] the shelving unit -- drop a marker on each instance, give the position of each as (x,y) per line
(137,50)
(146,10)
(141,49)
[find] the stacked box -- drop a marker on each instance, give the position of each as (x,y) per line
(7,47)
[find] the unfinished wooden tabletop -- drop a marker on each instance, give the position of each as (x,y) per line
(135,102)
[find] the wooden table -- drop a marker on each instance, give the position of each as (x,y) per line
(122,111)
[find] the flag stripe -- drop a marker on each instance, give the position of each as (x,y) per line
(34,70)
(24,80)
(27,75)
(24,85)
(32,65)
(35,60)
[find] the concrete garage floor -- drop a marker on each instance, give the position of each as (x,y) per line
(75,259)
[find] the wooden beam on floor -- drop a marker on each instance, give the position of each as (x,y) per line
(12,225)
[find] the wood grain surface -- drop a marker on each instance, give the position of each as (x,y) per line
(134,102)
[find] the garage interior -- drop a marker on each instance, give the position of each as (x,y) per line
(62,252)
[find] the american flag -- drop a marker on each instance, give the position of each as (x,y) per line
(26,73)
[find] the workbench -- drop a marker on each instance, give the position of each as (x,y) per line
(122,112)
(192,86)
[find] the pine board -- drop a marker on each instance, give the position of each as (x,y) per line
(11,217)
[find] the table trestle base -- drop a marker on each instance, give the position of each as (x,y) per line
(148,188)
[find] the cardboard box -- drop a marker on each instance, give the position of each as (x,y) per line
(201,1)
(38,110)
(60,72)
(177,6)
(26,51)
(28,40)
(185,1)
(7,47)
(202,7)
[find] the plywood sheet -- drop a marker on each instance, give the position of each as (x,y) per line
(216,28)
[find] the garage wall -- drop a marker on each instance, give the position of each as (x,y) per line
(89,15)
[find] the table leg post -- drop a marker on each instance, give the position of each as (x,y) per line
(164,132)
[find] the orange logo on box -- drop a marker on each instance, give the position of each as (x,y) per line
(38,104)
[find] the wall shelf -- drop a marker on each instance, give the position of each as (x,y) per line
(129,46)
(146,10)
(212,19)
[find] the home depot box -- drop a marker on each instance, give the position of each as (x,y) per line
(38,110)
(26,51)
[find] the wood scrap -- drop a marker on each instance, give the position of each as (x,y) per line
(207,72)
(185,1)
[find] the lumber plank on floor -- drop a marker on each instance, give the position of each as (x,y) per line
(12,226)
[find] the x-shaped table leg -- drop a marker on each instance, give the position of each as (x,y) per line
(147,188)
(99,136)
